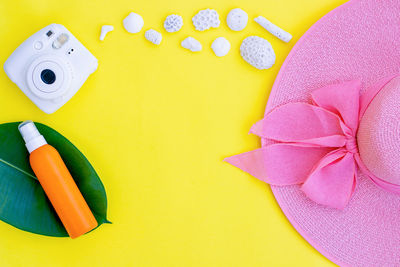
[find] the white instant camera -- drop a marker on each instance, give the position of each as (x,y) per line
(50,67)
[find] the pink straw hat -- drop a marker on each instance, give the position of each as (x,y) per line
(331,135)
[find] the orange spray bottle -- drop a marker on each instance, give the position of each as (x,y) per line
(57,182)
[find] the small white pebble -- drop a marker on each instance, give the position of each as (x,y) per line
(173,23)
(191,44)
(258,52)
(221,46)
(273,29)
(153,36)
(104,30)
(133,23)
(205,19)
(237,19)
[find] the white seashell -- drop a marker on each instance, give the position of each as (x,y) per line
(173,23)
(133,23)
(237,19)
(221,46)
(191,44)
(258,52)
(153,36)
(273,29)
(205,19)
(104,30)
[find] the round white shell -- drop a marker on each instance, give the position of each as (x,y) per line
(133,23)
(153,36)
(173,23)
(258,52)
(221,46)
(237,19)
(191,44)
(206,19)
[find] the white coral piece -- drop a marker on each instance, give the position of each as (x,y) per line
(237,19)
(258,52)
(206,19)
(104,30)
(173,23)
(153,36)
(133,23)
(273,29)
(221,46)
(192,44)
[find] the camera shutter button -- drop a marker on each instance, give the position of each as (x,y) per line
(38,45)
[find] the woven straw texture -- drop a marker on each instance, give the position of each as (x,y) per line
(379,134)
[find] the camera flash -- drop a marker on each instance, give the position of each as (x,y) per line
(60,41)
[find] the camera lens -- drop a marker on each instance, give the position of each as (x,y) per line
(48,76)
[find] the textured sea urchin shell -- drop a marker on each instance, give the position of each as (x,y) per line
(206,19)
(153,36)
(258,52)
(173,23)
(237,19)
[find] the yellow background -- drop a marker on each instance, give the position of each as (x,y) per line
(156,123)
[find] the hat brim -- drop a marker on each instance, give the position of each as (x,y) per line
(358,40)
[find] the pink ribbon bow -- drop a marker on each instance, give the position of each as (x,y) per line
(315,145)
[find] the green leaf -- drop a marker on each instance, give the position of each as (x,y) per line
(23,202)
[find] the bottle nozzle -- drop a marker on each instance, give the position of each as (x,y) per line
(31,135)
